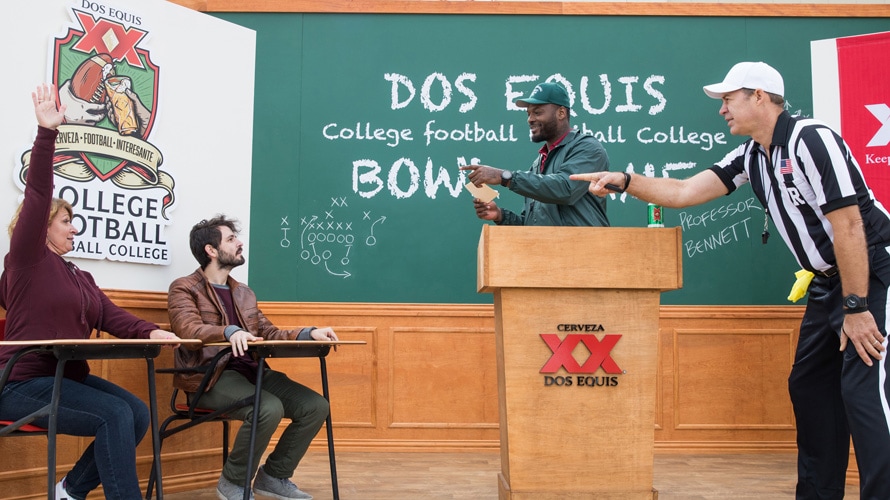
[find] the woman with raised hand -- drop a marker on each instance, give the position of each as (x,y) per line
(47,297)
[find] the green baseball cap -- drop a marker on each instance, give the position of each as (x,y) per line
(546,93)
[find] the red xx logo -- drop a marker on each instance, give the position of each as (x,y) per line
(600,353)
(108,37)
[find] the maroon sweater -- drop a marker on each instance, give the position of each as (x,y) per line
(45,296)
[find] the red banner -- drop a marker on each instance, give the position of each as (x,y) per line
(864,81)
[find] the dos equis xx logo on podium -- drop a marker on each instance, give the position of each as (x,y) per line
(598,370)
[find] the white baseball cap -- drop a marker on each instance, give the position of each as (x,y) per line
(748,75)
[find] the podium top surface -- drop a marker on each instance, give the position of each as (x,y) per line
(579,257)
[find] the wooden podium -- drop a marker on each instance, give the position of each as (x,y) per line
(576,320)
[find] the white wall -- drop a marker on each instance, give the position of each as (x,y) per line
(203,117)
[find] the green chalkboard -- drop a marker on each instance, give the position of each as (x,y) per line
(361,122)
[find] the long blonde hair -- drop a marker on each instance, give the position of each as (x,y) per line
(57,204)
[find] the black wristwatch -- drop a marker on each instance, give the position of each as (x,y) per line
(855,304)
(506,175)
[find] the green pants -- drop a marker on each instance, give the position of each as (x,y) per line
(281,398)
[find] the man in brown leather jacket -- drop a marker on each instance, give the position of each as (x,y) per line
(212,306)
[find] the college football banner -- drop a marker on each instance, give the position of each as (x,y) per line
(108,85)
(149,139)
(851,93)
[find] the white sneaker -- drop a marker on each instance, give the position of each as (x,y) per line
(61,492)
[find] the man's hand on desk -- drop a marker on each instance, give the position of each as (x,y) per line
(239,341)
(324,334)
(164,335)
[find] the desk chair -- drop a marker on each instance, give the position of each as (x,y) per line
(23,426)
(265,350)
(80,350)
(194,415)
(6,426)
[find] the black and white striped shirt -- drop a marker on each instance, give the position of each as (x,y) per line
(811,173)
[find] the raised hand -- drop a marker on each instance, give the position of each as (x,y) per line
(48,114)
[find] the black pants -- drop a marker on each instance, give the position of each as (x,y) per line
(836,395)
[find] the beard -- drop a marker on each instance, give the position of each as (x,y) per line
(547,132)
(229,260)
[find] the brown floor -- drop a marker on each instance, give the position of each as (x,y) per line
(472,476)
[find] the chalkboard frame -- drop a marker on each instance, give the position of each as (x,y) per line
(703,9)
(563,9)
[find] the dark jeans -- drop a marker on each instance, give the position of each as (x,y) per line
(95,407)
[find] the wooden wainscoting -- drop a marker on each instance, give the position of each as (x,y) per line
(427,381)
(723,382)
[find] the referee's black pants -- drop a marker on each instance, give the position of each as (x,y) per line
(836,395)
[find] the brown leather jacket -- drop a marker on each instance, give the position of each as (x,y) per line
(197,313)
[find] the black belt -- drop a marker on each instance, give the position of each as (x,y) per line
(832,271)
(878,245)
(828,273)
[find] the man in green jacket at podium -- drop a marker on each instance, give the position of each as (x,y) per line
(551,199)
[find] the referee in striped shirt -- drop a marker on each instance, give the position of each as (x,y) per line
(811,186)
